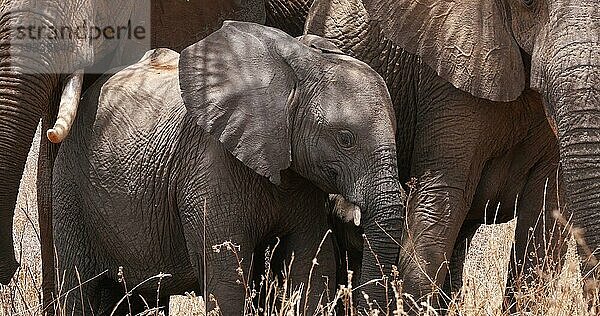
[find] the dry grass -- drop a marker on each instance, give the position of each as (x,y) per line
(486,269)
(485,274)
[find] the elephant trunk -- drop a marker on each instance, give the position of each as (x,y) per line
(16,133)
(382,226)
(382,233)
(566,70)
(31,64)
(18,123)
(24,96)
(578,127)
(579,140)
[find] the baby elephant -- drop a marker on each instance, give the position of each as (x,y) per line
(239,139)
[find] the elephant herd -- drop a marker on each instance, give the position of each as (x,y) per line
(236,131)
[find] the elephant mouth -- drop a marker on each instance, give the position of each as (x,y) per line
(346,210)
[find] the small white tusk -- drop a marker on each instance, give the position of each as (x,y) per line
(69,101)
(356,215)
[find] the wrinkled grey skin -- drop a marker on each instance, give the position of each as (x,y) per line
(31,82)
(506,46)
(29,97)
(301,121)
(287,15)
(479,150)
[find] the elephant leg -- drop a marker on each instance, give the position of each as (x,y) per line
(319,279)
(81,292)
(217,258)
(164,303)
(111,292)
(454,136)
(538,231)
(434,225)
(78,261)
(428,243)
(227,282)
(539,237)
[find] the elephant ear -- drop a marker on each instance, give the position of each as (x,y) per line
(465,42)
(237,84)
(320,43)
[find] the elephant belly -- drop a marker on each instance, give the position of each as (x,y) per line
(142,238)
(119,223)
(498,187)
(518,177)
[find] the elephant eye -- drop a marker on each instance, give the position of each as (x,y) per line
(345,138)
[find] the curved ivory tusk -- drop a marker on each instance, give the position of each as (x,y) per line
(345,210)
(69,101)
(356,215)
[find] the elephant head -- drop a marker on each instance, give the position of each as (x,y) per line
(495,49)
(276,103)
(43,42)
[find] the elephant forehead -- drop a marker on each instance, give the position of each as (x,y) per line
(355,94)
(357,78)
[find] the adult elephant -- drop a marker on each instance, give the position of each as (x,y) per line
(481,152)
(37,73)
(269,127)
(497,49)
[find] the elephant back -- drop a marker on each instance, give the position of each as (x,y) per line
(140,96)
